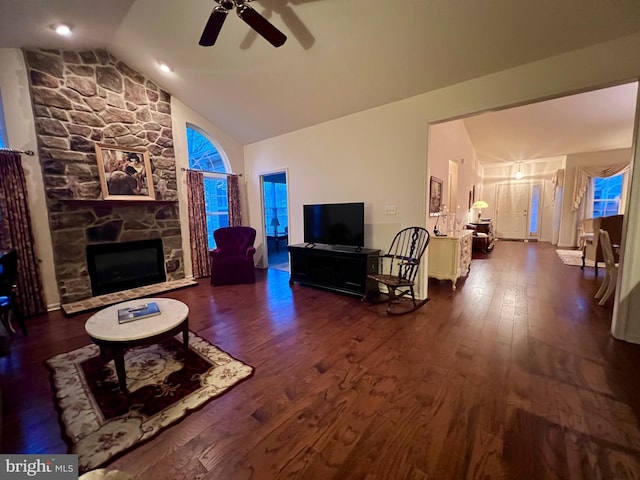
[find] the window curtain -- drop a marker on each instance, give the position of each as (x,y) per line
(16,233)
(584,176)
(583,187)
(233,196)
(557,182)
(198,225)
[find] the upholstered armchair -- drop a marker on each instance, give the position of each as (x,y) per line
(591,249)
(232,260)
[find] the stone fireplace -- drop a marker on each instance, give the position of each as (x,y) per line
(81,98)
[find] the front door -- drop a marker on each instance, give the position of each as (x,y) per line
(513,203)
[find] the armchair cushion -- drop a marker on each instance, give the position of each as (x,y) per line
(232,260)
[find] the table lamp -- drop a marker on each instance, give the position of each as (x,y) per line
(480,204)
(275,224)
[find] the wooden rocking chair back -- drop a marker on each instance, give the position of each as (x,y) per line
(399,268)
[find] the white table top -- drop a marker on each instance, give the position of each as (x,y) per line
(103,325)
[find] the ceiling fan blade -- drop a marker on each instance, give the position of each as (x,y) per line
(295,25)
(261,25)
(213,27)
(251,35)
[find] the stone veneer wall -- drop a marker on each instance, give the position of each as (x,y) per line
(81,98)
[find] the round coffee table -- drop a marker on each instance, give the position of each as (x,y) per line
(114,338)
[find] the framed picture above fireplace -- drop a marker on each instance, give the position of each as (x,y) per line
(125,173)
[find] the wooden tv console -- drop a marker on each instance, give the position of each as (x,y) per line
(333,268)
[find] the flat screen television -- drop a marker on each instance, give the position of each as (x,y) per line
(337,224)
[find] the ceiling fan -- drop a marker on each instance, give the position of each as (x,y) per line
(256,21)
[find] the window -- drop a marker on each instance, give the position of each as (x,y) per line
(606,195)
(534,210)
(275,206)
(205,157)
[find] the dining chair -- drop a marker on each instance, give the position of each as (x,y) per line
(611,269)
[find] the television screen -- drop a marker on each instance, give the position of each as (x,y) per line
(334,224)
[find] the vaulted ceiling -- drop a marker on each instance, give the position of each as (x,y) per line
(341,57)
(586,122)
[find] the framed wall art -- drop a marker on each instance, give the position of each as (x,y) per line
(435,196)
(125,173)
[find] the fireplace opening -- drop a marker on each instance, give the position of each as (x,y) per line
(114,267)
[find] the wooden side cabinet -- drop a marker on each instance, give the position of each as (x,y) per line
(343,271)
(450,256)
(486,227)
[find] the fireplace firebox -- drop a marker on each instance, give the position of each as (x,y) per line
(114,267)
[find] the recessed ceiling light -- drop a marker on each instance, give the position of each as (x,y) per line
(62,29)
(165,68)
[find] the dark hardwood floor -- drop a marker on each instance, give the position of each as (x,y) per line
(513,376)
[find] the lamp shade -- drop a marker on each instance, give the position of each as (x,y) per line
(480,204)
(275,222)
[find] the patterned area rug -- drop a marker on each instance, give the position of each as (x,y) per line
(573,257)
(100,422)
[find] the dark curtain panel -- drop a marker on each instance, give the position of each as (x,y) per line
(198,225)
(16,233)
(233,194)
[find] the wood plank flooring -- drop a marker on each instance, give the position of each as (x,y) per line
(513,376)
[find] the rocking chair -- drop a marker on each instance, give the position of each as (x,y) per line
(399,267)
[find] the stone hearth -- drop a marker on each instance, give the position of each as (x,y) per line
(101,301)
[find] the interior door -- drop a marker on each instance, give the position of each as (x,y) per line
(513,203)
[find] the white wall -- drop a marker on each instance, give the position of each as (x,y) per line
(450,141)
(378,156)
(230,149)
(375,160)
(538,171)
(21,134)
(569,225)
(626,321)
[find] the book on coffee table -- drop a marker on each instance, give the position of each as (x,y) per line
(136,312)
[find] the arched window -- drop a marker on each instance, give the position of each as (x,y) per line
(205,157)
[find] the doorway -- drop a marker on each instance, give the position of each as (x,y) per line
(276,219)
